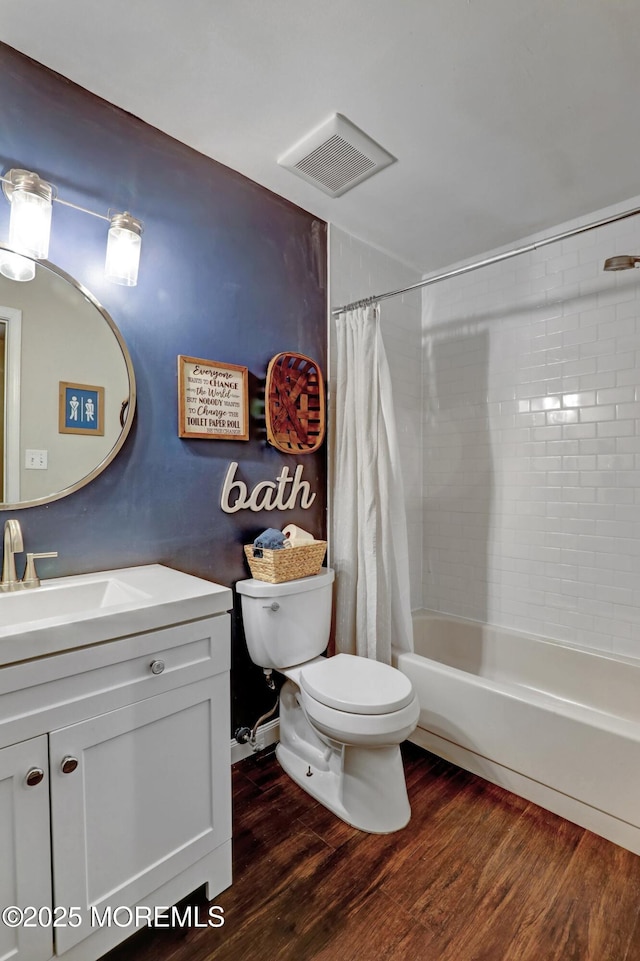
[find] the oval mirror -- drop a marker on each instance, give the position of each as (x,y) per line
(67,388)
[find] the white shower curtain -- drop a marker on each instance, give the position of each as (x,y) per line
(369,529)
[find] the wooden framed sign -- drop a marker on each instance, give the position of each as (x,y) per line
(213,399)
(80,409)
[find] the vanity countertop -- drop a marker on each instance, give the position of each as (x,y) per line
(65,613)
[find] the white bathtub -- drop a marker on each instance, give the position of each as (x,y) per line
(557,725)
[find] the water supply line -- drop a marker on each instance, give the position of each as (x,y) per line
(245,734)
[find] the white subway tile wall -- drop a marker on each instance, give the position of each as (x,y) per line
(358,270)
(531,442)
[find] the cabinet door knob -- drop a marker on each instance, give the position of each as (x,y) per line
(157,667)
(34,776)
(69,764)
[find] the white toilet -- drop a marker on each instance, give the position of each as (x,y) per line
(342,718)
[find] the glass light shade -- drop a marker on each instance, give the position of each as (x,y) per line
(123,250)
(30,223)
(15,267)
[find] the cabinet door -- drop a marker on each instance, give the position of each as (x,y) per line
(150,796)
(25,859)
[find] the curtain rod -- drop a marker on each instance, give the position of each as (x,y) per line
(458,271)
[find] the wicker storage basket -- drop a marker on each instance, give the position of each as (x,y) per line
(286,564)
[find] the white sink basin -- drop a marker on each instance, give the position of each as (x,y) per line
(85,609)
(60,599)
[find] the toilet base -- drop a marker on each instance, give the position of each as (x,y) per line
(363,786)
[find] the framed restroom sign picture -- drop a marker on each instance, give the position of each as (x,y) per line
(80,409)
(213,399)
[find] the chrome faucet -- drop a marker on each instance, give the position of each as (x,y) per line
(12,546)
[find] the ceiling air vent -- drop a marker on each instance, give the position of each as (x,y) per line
(336,156)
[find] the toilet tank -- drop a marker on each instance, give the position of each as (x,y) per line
(289,623)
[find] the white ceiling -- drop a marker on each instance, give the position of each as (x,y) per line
(506,116)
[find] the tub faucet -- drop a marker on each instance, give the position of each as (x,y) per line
(12,546)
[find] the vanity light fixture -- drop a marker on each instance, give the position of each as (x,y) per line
(31,200)
(123,250)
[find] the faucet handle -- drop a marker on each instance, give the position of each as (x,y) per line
(31,578)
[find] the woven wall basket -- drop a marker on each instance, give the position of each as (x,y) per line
(294,408)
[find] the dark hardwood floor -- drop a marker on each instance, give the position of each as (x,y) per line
(478,875)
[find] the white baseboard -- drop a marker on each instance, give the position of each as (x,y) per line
(266,735)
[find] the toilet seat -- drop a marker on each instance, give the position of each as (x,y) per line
(364,729)
(356,685)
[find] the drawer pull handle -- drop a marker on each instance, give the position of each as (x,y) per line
(69,764)
(34,776)
(157,667)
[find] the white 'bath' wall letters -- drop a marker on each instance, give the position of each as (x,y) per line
(266,495)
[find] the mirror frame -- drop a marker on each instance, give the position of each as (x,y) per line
(131,409)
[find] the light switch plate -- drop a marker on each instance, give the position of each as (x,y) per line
(36,459)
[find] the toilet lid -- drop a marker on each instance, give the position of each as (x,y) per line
(356,685)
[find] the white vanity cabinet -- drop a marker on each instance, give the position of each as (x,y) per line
(25,861)
(114,784)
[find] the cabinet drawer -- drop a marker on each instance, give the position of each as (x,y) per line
(65,688)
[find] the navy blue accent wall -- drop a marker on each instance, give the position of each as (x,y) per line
(229,272)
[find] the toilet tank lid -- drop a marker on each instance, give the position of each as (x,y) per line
(254,588)
(356,685)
